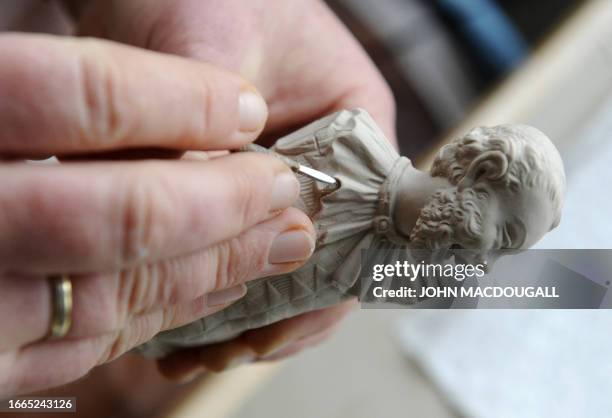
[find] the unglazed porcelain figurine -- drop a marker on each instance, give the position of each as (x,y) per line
(499,187)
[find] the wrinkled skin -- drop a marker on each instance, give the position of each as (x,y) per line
(305,64)
(84,97)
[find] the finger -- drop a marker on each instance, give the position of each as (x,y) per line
(106,303)
(271,339)
(103,217)
(25,309)
(85,95)
(52,363)
(187,363)
(273,247)
(203,155)
(141,328)
(300,345)
(254,344)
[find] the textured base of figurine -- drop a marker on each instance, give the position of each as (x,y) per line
(349,146)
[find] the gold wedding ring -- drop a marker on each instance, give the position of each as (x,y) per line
(61,309)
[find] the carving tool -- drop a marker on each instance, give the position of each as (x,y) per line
(294,165)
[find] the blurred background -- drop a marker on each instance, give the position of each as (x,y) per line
(452,64)
(441,56)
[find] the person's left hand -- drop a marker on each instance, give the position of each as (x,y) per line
(305,63)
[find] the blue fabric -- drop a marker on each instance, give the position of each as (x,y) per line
(487,31)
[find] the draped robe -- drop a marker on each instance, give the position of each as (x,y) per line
(350,217)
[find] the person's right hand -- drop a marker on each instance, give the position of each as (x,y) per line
(148,245)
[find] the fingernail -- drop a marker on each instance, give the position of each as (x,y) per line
(291,246)
(253,111)
(191,376)
(226,296)
(274,350)
(285,191)
(240,360)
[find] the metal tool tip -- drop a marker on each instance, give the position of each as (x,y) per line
(317,175)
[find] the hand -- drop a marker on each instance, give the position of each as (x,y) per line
(300,57)
(306,65)
(273,342)
(148,245)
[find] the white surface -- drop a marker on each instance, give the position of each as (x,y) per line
(359,373)
(588,206)
(516,363)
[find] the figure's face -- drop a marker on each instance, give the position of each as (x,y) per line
(514,221)
(483,212)
(482,218)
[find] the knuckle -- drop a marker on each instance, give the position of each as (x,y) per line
(209,106)
(104,107)
(135,292)
(176,316)
(244,197)
(139,330)
(146,215)
(165,289)
(224,263)
(237,260)
(249,182)
(116,347)
(169,317)
(149,286)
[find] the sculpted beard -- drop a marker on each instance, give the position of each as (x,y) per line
(449,218)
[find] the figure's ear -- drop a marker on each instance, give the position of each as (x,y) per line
(490,165)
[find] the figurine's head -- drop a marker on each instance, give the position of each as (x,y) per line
(507,188)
